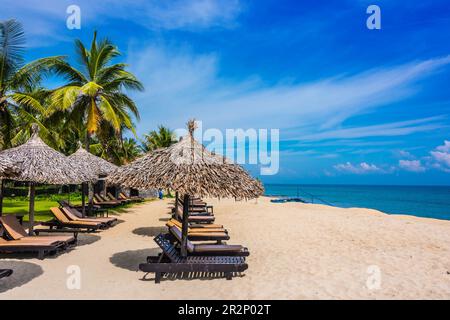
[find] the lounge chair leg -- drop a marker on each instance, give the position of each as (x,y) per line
(41,254)
(157,277)
(228,275)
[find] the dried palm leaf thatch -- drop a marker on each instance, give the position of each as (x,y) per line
(188,168)
(90,163)
(39,163)
(7,167)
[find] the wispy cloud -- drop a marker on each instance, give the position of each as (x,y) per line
(47,17)
(191,86)
(400,128)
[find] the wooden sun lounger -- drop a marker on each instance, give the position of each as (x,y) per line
(61,222)
(198,208)
(170,261)
(104,204)
(178,214)
(134,199)
(96,209)
(41,246)
(5,273)
(104,200)
(16,231)
(74,215)
(210,249)
(111,197)
(200,235)
(199,228)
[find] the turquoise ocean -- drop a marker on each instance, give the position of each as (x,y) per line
(422,201)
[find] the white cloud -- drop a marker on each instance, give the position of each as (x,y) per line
(411,165)
(442,157)
(362,168)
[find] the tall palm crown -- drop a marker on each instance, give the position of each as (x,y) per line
(19,97)
(162,138)
(94,93)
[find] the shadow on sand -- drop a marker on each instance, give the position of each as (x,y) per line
(131,259)
(23,272)
(149,231)
(85,239)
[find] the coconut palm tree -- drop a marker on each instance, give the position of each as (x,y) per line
(162,138)
(19,83)
(94,94)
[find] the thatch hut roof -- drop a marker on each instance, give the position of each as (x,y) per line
(7,167)
(41,164)
(92,163)
(189,168)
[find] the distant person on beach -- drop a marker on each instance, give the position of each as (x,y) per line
(160,194)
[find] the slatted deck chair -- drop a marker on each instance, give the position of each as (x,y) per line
(178,214)
(5,273)
(74,215)
(104,204)
(201,235)
(198,208)
(171,262)
(133,198)
(110,196)
(15,231)
(43,247)
(210,249)
(61,222)
(105,199)
(196,228)
(96,210)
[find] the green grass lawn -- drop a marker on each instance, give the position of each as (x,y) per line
(43,203)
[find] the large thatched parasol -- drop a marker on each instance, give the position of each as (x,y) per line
(41,164)
(190,169)
(92,164)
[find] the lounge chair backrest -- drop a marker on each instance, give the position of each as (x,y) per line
(69,213)
(176,222)
(123,195)
(75,212)
(111,196)
(168,248)
(59,215)
(13,227)
(97,197)
(176,232)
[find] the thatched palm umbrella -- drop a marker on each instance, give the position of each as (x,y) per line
(188,168)
(92,164)
(7,170)
(42,164)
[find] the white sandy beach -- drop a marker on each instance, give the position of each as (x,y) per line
(298,251)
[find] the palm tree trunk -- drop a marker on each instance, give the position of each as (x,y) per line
(90,186)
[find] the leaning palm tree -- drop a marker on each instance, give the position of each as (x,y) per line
(94,94)
(162,138)
(17,81)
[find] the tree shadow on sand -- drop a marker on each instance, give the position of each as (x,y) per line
(131,259)
(149,231)
(23,272)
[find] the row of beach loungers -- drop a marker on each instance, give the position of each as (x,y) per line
(211,257)
(14,237)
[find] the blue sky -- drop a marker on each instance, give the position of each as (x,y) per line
(353,105)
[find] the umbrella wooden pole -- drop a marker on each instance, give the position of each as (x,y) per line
(90,197)
(185,226)
(176,201)
(1,197)
(31,209)
(83,200)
